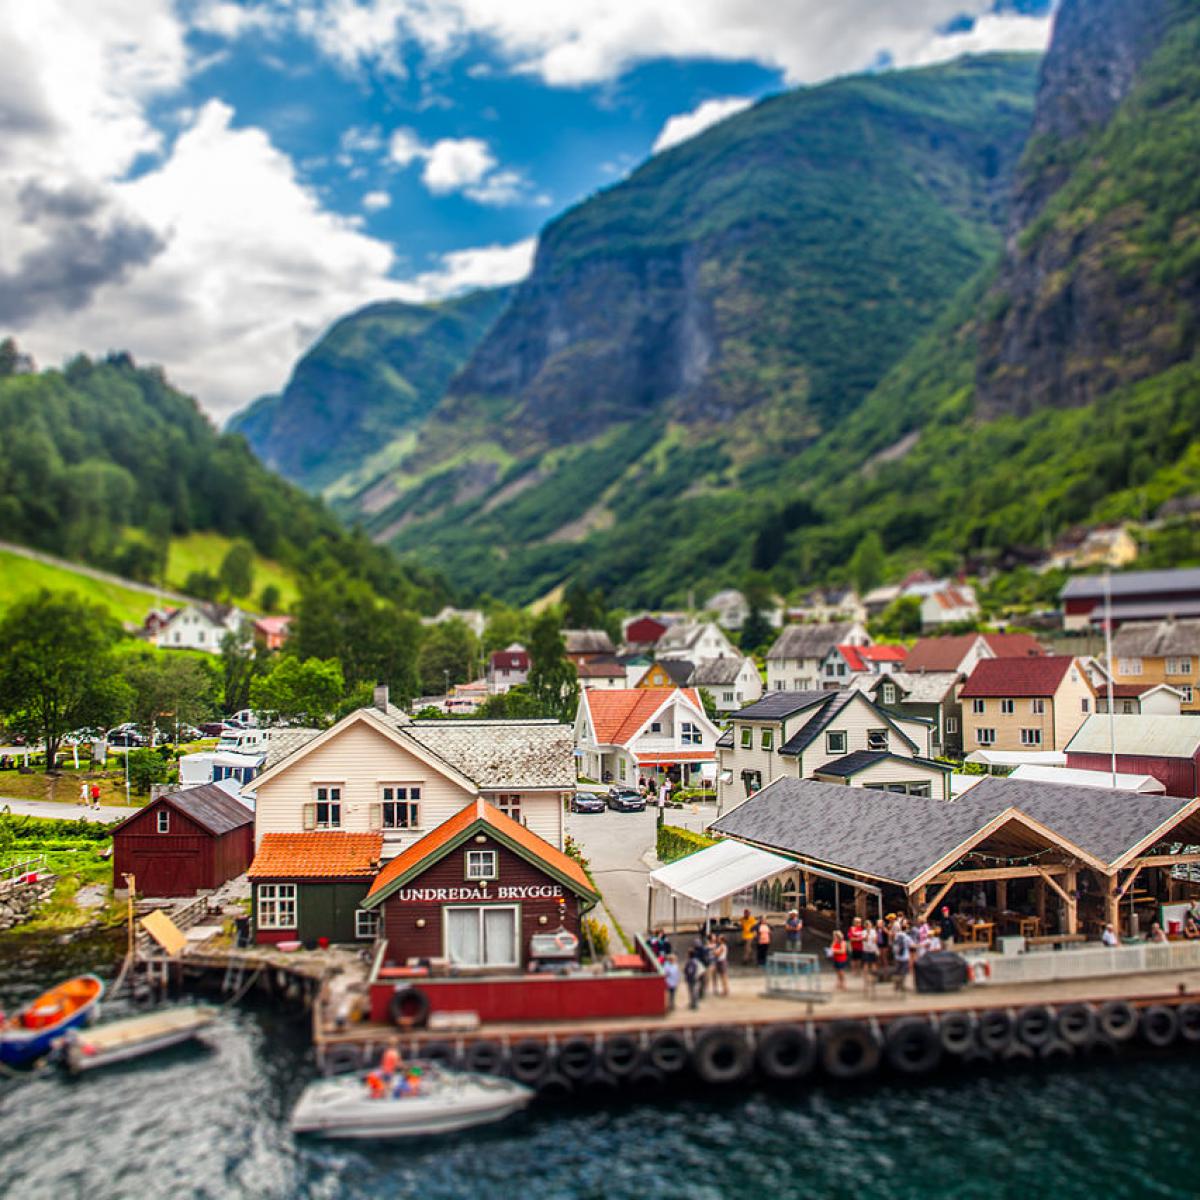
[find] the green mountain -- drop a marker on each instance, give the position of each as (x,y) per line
(365,385)
(105,463)
(688,332)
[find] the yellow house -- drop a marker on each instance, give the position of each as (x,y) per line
(1154,652)
(667,673)
(1027,704)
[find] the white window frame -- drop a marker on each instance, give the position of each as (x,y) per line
(1179,666)
(480,909)
(163,822)
(951,724)
(509,803)
(985,737)
(411,800)
(366,924)
(480,871)
(1185,690)
(873,736)
(1129,666)
(1031,737)
(1008,707)
(330,790)
(978,705)
(689,733)
(836,733)
(768,738)
(275,898)
(889,693)
(747,739)
(1085,705)
(1037,706)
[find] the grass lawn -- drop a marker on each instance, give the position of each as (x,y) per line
(204,552)
(19,576)
(63,786)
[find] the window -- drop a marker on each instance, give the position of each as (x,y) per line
(889,693)
(951,724)
(620,768)
(877,739)
(689,734)
(1127,706)
(1186,692)
(481,936)
(276,906)
(327,808)
(1037,707)
(1031,737)
(835,742)
(401,806)
(1129,666)
(747,738)
(768,739)
(907,789)
(978,706)
(1008,707)
(366,924)
(164,821)
(1084,705)
(481,864)
(1179,666)
(510,805)
(751,781)
(985,737)
(726,697)
(656,727)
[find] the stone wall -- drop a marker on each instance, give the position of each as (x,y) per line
(19,901)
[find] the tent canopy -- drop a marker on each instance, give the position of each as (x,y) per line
(718,871)
(1017,758)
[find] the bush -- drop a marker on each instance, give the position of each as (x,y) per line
(147,768)
(674,843)
(595,937)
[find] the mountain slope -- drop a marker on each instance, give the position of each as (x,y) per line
(684,334)
(373,376)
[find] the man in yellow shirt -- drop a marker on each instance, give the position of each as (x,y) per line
(748,924)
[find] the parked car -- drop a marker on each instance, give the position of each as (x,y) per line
(212,728)
(588,802)
(626,799)
(125,735)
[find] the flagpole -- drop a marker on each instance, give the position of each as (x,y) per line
(1112,723)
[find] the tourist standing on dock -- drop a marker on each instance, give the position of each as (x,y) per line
(870,951)
(793,931)
(881,940)
(722,956)
(858,935)
(747,923)
(839,953)
(902,953)
(763,934)
(1109,936)
(671,979)
(693,974)
(946,927)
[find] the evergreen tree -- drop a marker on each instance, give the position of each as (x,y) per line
(866,564)
(553,682)
(449,654)
(237,569)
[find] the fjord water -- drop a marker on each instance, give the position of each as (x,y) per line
(213,1123)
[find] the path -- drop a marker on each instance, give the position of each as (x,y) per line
(108,813)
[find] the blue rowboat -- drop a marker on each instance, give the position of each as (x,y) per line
(30,1033)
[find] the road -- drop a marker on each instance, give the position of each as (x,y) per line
(108,813)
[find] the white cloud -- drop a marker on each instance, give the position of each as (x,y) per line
(686,125)
(454,164)
(375,201)
(405,147)
(480,266)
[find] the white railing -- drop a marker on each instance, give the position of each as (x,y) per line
(28,866)
(1091,962)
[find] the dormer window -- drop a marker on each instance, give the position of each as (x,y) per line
(481,864)
(164,821)
(835,741)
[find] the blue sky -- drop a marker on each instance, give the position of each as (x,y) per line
(209,183)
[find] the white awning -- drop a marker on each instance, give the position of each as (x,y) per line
(1093,779)
(1017,758)
(718,871)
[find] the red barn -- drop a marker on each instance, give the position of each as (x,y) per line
(1162,745)
(184,842)
(645,631)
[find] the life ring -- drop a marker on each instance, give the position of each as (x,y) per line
(342,1058)
(528,1060)
(1035,1026)
(484,1057)
(850,1051)
(980,970)
(1055,1048)
(786,1053)
(621,1055)
(912,1046)
(957,1032)
(995,1029)
(409,1007)
(1159,1026)
(565,941)
(668,1053)
(1189,1022)
(576,1058)
(722,1056)
(1118,1020)
(1076,1024)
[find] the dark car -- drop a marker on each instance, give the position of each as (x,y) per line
(588,802)
(626,799)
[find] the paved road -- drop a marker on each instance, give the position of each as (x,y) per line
(108,813)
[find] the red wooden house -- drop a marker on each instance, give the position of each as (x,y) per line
(185,842)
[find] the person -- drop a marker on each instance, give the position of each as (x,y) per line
(747,923)
(664,793)
(693,974)
(722,956)
(839,953)
(96,796)
(700,953)
(763,935)
(882,939)
(870,950)
(1156,933)
(794,929)
(84,794)
(901,953)
(946,928)
(390,1061)
(710,960)
(1109,936)
(1190,929)
(671,978)
(857,936)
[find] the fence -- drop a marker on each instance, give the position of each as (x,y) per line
(28,866)
(1093,962)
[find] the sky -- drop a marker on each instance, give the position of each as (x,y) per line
(208,184)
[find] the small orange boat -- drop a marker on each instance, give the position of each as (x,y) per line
(30,1033)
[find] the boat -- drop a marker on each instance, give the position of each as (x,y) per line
(30,1033)
(441,1101)
(118,1041)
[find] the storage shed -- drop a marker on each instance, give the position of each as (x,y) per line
(184,842)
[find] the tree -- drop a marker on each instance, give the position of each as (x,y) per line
(866,564)
(146,768)
(237,569)
(305,692)
(240,663)
(269,598)
(710,705)
(583,609)
(171,686)
(57,670)
(449,653)
(553,682)
(901,619)
(504,627)
(204,585)
(756,629)
(514,704)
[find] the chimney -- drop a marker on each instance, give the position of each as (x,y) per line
(381,697)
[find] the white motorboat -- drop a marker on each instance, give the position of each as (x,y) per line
(443,1102)
(118,1041)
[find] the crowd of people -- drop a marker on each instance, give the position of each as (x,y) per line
(706,968)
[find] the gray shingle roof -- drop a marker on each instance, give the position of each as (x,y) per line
(1133,583)
(716,672)
(920,687)
(774,706)
(678,670)
(283,743)
(681,637)
(859,760)
(588,641)
(503,754)
(809,641)
(211,807)
(1155,639)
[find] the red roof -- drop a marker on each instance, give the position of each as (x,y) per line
(618,714)
(434,843)
(273,624)
(945,653)
(317,855)
(1127,691)
(857,657)
(645,630)
(510,660)
(600,668)
(1017,676)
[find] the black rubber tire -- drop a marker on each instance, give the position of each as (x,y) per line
(975,1055)
(957,1032)
(1035,1026)
(912,1046)
(602,1082)
(1017,1052)
(1118,1020)
(620,1055)
(647,1079)
(995,1030)
(528,1060)
(1189,1022)
(722,1056)
(484,1058)
(1075,1024)
(340,1060)
(1158,1026)
(668,1053)
(786,1053)
(850,1051)
(1055,1048)
(555,1086)
(408,1008)
(576,1058)
(441,1053)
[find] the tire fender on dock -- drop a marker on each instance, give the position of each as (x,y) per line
(484,1057)
(1017,1052)
(912,1046)
(722,1056)
(1075,1024)
(647,1079)
(442,1053)
(555,1086)
(576,1058)
(1118,1020)
(1159,1026)
(668,1053)
(1055,1048)
(995,1029)
(957,1032)
(1189,1022)
(850,1050)
(408,1007)
(528,1060)
(786,1053)
(1035,1026)
(621,1055)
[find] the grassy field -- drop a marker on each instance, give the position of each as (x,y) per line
(204,552)
(20,576)
(63,786)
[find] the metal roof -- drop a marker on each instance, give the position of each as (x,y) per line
(1133,583)
(775,706)
(859,760)
(210,806)
(1142,734)
(1157,639)
(1094,779)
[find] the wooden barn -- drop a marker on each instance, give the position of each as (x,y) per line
(185,842)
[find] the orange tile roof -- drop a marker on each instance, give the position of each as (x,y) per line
(436,840)
(618,714)
(317,855)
